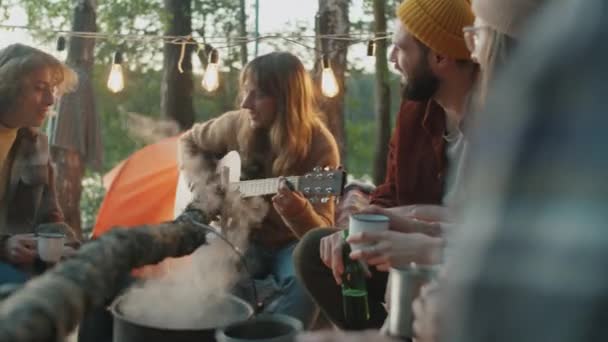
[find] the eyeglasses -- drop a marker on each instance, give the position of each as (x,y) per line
(473,34)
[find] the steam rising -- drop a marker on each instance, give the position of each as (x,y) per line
(187,292)
(147,129)
(188,295)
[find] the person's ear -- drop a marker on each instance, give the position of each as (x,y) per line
(438,62)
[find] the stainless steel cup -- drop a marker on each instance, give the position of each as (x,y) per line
(405,284)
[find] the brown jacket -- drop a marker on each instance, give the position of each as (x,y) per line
(416,161)
(30,191)
(216,137)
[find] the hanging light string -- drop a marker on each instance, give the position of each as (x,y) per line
(210,80)
(214,40)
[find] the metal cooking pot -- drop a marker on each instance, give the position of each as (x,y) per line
(264,327)
(128,329)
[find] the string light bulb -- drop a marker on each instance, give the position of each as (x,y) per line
(116,81)
(371,48)
(211,78)
(329,84)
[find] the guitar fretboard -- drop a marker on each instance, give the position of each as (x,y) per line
(261,187)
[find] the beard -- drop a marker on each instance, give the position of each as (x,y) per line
(422,85)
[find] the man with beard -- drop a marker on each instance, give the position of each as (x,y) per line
(431,55)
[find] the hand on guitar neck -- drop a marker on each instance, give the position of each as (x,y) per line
(318,185)
(287,201)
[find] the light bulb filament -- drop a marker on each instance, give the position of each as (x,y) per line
(116,81)
(211,78)
(329,84)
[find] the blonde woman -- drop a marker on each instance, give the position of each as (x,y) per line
(277,132)
(29,82)
(494,35)
(491,40)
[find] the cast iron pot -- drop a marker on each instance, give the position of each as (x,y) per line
(127,329)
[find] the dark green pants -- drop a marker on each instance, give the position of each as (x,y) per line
(320,283)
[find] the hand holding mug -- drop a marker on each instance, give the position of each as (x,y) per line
(21,249)
(425,219)
(395,249)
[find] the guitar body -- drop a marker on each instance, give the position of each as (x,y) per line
(229,169)
(318,185)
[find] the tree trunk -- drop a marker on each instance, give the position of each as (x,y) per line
(70,170)
(69,161)
(176,94)
(243,32)
(383,94)
(332,18)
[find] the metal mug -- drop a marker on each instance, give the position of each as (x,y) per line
(360,223)
(405,284)
(50,246)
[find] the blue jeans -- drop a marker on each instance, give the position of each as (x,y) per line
(11,275)
(292,299)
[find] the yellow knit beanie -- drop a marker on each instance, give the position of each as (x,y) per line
(438,24)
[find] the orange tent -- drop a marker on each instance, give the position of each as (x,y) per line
(141,189)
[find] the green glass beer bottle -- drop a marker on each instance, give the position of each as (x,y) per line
(354,291)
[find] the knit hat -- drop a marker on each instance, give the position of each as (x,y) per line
(438,24)
(506,17)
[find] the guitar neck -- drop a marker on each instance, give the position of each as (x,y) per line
(261,187)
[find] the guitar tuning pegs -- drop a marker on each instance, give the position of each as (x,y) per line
(324,200)
(327,168)
(313,200)
(317,169)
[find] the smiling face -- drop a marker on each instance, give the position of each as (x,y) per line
(411,59)
(262,108)
(34,99)
(402,53)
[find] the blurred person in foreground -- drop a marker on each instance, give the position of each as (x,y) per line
(531,262)
(30,80)
(492,40)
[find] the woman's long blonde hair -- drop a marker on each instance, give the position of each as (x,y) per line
(282,76)
(17,61)
(497,51)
